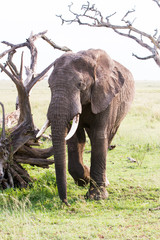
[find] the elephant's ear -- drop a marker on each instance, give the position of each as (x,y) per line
(108,83)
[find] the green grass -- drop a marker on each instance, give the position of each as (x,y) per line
(134,190)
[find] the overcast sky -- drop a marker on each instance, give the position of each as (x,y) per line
(19,17)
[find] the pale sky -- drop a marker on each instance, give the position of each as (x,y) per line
(18,18)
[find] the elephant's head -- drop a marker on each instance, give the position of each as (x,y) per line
(78,79)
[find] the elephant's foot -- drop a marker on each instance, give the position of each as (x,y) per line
(83,181)
(97,193)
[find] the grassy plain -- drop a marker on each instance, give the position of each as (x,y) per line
(130,212)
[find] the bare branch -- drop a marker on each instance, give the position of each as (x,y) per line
(13,48)
(92,17)
(155,34)
(30,45)
(10,57)
(126,21)
(38,35)
(38,77)
(143,58)
(111,15)
(12,69)
(139,41)
(65,49)
(33,51)
(8,73)
(155,55)
(157,1)
(21,67)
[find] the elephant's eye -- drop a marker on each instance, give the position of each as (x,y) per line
(81,86)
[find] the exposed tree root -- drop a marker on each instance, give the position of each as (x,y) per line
(15,175)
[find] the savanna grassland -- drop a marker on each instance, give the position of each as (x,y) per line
(132,210)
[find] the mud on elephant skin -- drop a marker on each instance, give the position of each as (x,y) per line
(99,92)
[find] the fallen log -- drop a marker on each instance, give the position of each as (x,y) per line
(35,152)
(39,162)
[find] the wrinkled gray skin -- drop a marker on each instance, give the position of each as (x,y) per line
(101,90)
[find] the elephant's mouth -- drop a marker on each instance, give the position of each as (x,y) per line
(72,131)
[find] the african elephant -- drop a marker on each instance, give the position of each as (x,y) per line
(97,92)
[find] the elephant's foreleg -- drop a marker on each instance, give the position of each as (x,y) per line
(98,169)
(77,169)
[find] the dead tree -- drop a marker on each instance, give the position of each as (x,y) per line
(16,147)
(92,17)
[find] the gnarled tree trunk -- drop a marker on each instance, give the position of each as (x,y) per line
(17,148)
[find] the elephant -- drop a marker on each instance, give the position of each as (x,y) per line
(95,92)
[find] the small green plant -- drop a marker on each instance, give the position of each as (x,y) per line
(138,153)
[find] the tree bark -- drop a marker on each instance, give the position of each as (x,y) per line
(16,149)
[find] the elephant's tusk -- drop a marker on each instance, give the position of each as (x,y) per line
(73,128)
(43,129)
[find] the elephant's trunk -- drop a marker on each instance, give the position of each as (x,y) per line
(59,131)
(60,113)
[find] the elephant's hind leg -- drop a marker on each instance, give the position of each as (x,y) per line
(76,168)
